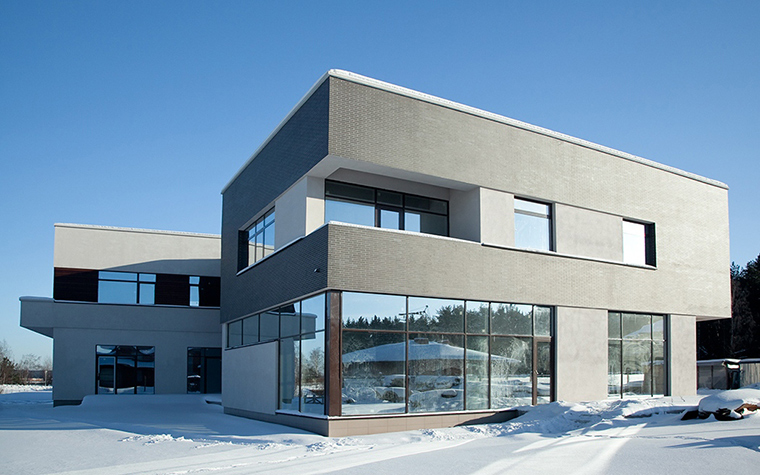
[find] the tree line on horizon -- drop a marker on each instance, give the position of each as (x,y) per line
(739,336)
(21,372)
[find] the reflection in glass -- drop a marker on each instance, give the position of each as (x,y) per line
(289,374)
(313,313)
(511,319)
(542,321)
(543,372)
(511,368)
(269,326)
(637,367)
(374,380)
(613,325)
(658,368)
(436,315)
(477,371)
(235,333)
(614,371)
(390,219)
(637,327)
(477,317)
(290,320)
(148,294)
(374,311)
(426,223)
(126,276)
(125,369)
(436,370)
(117,292)
(352,213)
(251,330)
(533,226)
(313,373)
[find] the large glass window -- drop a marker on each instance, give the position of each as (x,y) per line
(374,372)
(125,369)
(356,204)
(636,354)
(638,243)
(257,241)
(126,287)
(442,354)
(533,225)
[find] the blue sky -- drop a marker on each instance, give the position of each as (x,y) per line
(138,113)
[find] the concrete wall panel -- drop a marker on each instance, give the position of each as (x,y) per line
(583,232)
(581,354)
(136,250)
(683,355)
(251,381)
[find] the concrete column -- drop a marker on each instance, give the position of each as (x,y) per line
(581,354)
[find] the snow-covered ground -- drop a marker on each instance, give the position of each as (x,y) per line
(184,434)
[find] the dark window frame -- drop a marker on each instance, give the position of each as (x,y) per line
(380,205)
(249,234)
(650,246)
(549,216)
(534,337)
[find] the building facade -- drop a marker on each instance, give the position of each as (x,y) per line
(133,311)
(392,260)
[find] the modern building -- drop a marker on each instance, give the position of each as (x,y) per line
(133,311)
(391,261)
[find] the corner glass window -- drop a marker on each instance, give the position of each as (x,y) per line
(533,225)
(638,243)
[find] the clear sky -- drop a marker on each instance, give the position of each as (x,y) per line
(138,113)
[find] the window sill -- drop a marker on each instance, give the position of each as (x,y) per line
(568,256)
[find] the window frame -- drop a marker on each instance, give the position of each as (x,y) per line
(548,216)
(248,236)
(650,247)
(382,205)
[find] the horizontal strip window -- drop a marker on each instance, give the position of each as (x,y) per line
(363,205)
(115,287)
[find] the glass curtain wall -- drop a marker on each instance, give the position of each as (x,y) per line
(636,354)
(419,354)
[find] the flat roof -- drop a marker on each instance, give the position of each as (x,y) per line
(375,83)
(135,230)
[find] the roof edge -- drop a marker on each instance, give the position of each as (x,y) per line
(135,230)
(411,93)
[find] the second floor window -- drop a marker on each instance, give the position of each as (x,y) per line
(533,225)
(257,241)
(126,287)
(638,243)
(367,206)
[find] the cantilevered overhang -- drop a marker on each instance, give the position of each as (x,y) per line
(366,259)
(37,315)
(43,315)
